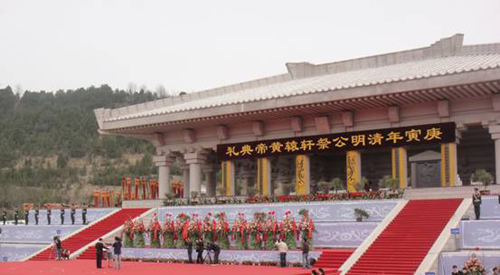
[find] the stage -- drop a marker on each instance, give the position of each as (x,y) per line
(86,267)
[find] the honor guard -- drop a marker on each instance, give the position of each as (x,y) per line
(26,215)
(84,214)
(73,211)
(49,212)
(37,212)
(62,213)
(4,216)
(16,215)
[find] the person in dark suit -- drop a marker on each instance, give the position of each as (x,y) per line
(26,216)
(476,201)
(16,215)
(189,245)
(199,249)
(216,249)
(49,213)
(62,213)
(37,213)
(456,271)
(4,216)
(84,213)
(73,211)
(99,249)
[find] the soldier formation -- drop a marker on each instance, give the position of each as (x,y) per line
(62,213)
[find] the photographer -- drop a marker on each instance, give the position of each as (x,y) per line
(199,249)
(189,246)
(216,249)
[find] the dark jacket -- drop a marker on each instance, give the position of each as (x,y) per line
(305,248)
(99,247)
(117,248)
(476,200)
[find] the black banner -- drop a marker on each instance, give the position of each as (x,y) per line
(391,137)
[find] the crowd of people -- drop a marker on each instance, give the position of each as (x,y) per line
(62,214)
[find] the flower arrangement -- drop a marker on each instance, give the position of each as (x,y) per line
(182,226)
(155,230)
(306,227)
(255,229)
(239,231)
(222,230)
(169,235)
(474,266)
(288,230)
(139,230)
(128,233)
(362,195)
(208,227)
(270,229)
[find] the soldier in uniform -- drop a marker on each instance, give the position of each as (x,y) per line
(37,212)
(4,216)
(49,212)
(84,214)
(62,213)
(73,211)
(26,215)
(16,215)
(476,201)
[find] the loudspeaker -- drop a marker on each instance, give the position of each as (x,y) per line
(498,198)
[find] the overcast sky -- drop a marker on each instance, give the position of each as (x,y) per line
(195,45)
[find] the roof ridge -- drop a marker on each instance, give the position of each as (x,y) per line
(448,46)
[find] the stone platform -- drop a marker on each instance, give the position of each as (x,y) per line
(225,255)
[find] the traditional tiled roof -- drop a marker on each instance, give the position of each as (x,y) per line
(445,57)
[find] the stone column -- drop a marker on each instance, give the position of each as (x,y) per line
(211,183)
(185,180)
(195,160)
(164,184)
(302,175)
(353,166)
(448,164)
(495,135)
(228,177)
(264,176)
(400,166)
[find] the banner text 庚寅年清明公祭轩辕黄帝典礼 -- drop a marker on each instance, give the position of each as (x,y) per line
(390,137)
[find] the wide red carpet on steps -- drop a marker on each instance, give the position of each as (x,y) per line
(87,267)
(92,233)
(403,245)
(330,258)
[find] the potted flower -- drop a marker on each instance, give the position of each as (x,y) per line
(360,214)
(337,184)
(485,177)
(324,186)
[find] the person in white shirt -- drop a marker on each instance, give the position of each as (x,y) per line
(282,248)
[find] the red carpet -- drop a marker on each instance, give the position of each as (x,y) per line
(87,267)
(332,258)
(92,233)
(405,242)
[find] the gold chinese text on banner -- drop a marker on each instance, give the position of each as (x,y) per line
(350,141)
(227,177)
(448,164)
(263,176)
(302,175)
(399,167)
(353,166)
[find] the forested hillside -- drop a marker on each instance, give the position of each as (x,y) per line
(50,150)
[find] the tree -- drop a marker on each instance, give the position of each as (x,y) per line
(131,87)
(161,92)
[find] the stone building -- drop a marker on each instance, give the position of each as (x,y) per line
(427,117)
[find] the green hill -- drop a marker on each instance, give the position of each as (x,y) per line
(50,150)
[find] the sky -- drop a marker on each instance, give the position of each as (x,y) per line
(195,45)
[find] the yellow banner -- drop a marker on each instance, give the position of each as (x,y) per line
(353,172)
(302,175)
